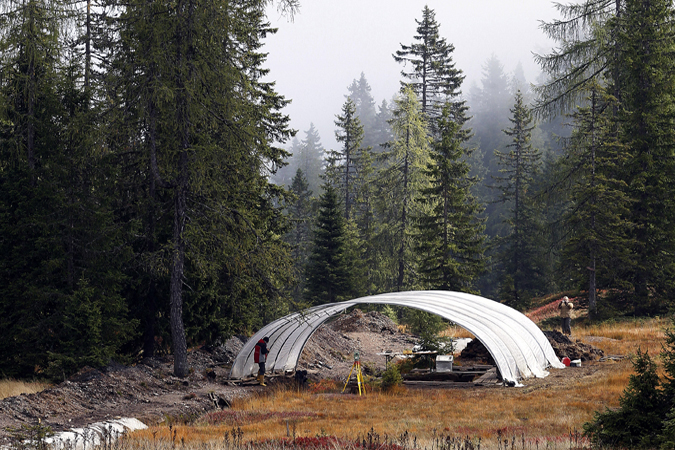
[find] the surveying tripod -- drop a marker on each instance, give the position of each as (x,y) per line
(359,375)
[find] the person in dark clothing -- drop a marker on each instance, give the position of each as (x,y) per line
(260,356)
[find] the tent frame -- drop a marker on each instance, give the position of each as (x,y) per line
(517,345)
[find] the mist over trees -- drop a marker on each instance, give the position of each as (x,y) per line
(155,198)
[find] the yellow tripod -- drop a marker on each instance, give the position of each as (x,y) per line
(359,375)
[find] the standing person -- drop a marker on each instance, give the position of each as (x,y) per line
(260,356)
(565,307)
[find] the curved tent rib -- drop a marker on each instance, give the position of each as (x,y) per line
(517,345)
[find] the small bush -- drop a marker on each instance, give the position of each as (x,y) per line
(638,421)
(391,377)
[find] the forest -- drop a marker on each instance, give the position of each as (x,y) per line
(154,198)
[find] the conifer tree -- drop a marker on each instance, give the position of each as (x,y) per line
(639,420)
(520,252)
(490,105)
(646,114)
(364,106)
(433,76)
(596,250)
(401,180)
(341,165)
(310,159)
(382,132)
(208,149)
(61,302)
(450,239)
(299,214)
(330,276)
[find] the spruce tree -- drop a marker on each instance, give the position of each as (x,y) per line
(299,214)
(341,164)
(646,76)
(364,105)
(208,150)
(490,105)
(62,255)
(450,236)
(639,420)
(596,248)
(329,274)
(433,76)
(382,132)
(520,252)
(310,159)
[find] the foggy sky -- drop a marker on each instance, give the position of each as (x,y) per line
(329,43)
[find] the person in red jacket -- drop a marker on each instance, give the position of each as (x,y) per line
(260,356)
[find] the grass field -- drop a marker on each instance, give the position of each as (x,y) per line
(10,388)
(546,415)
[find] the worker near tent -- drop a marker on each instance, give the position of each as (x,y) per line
(260,356)
(565,307)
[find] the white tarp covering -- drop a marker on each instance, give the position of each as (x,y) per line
(517,345)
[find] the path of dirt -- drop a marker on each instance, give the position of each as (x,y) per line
(149,392)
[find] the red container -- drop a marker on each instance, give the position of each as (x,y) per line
(566,361)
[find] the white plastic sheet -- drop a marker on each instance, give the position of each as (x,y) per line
(517,345)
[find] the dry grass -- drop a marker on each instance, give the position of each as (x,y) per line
(546,410)
(456,332)
(10,388)
(624,338)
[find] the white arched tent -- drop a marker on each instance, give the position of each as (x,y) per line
(517,345)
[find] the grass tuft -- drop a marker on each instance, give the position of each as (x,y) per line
(12,388)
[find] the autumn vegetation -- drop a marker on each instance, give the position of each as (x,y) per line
(543,415)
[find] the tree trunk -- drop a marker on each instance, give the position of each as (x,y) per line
(180,366)
(180,200)
(591,285)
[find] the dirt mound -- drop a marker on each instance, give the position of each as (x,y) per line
(326,348)
(476,352)
(147,391)
(357,321)
(329,353)
(564,346)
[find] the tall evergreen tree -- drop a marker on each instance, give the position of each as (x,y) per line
(364,105)
(341,164)
(311,159)
(61,260)
(299,214)
(433,76)
(451,240)
(520,252)
(490,108)
(646,76)
(207,149)
(596,250)
(382,133)
(330,270)
(401,179)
